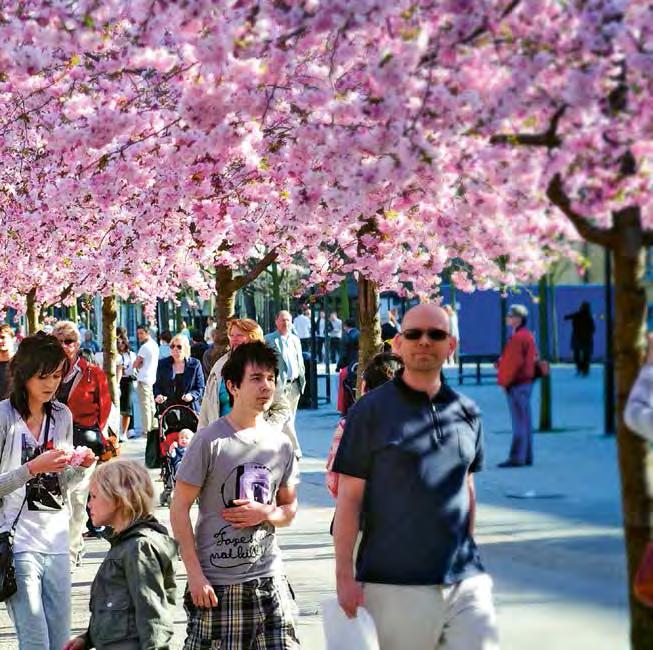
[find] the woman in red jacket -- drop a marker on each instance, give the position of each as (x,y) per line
(85,391)
(516,372)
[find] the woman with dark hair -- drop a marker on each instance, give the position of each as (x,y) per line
(126,358)
(36,472)
(381,368)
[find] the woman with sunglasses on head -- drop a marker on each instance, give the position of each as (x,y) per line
(85,391)
(37,468)
(179,377)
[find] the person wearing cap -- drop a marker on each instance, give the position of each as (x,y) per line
(516,372)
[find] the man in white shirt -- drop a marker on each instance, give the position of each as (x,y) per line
(302,325)
(210,328)
(292,375)
(335,336)
(146,363)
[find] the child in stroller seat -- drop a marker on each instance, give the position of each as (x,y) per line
(178,448)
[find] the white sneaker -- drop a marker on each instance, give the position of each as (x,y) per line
(133,434)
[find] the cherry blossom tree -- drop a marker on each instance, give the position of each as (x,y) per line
(385,139)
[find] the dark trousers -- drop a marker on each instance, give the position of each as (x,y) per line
(519,403)
(582,358)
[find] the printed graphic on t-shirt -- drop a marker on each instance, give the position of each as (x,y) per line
(43,491)
(241,546)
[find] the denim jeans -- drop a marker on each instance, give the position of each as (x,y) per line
(519,402)
(40,609)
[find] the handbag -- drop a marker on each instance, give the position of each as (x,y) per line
(153,456)
(90,437)
(643,584)
(110,439)
(8,586)
(541,368)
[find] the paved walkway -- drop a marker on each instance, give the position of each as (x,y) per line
(550,535)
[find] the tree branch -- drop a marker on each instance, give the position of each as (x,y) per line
(647,237)
(243,280)
(557,195)
(549,138)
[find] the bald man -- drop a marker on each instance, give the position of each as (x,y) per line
(406,460)
(292,374)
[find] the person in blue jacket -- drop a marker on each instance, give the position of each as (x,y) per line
(179,377)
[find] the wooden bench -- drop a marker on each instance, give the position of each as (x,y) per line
(477,359)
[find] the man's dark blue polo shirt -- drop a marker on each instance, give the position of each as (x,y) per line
(414,454)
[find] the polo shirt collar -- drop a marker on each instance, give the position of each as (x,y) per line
(444,396)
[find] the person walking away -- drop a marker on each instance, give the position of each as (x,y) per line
(292,372)
(126,359)
(198,346)
(216,402)
(516,373)
(146,363)
(582,337)
(179,378)
(85,390)
(406,461)
(37,469)
(7,342)
(302,326)
(350,338)
(244,474)
(133,593)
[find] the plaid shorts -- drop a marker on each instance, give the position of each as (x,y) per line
(254,615)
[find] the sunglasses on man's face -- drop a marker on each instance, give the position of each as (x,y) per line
(68,341)
(174,346)
(434,334)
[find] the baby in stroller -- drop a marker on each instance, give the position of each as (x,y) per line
(176,428)
(178,448)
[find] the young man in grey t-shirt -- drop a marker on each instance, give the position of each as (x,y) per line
(245,475)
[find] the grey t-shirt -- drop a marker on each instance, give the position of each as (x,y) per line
(228,464)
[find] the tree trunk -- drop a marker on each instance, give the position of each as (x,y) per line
(276,288)
(109,322)
(370,325)
(635,456)
(31,313)
(344,300)
(545,382)
(225,288)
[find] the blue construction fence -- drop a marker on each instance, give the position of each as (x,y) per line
(479,317)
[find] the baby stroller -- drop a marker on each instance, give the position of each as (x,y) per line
(171,422)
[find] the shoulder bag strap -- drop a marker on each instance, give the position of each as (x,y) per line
(48,421)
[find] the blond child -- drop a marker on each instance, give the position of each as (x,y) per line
(178,448)
(133,594)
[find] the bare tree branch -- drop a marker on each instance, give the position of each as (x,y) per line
(243,280)
(557,195)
